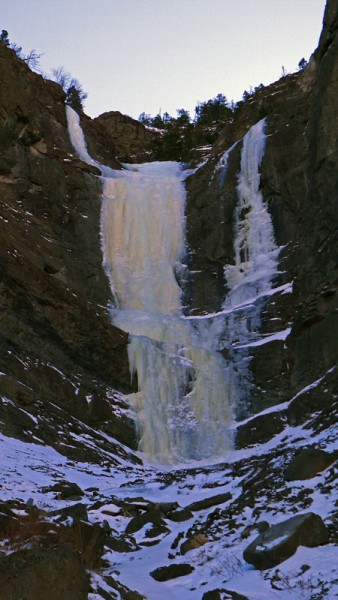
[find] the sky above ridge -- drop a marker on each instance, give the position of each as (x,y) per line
(161,55)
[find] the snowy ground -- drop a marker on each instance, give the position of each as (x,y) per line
(27,469)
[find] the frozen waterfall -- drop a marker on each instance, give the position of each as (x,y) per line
(250,279)
(255,249)
(186,388)
(181,408)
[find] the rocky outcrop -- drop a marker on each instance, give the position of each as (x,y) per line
(281,541)
(260,429)
(60,358)
(47,555)
(133,142)
(212,200)
(59,348)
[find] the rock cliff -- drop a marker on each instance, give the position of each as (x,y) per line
(59,354)
(299,184)
(133,142)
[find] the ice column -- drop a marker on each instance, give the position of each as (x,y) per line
(255,249)
(255,266)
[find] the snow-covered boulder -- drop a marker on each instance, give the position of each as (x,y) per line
(281,541)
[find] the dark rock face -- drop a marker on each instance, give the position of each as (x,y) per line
(60,355)
(316,321)
(281,541)
(259,429)
(133,141)
(299,185)
(28,574)
(88,540)
(62,364)
(59,348)
(307,463)
(46,557)
(212,200)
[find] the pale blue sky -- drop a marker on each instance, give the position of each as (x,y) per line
(147,55)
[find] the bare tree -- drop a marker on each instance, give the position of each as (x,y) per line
(32,59)
(75,94)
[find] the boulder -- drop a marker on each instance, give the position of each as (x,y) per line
(172,571)
(281,541)
(307,463)
(208,502)
(88,540)
(77,512)
(180,515)
(123,591)
(119,543)
(152,516)
(195,541)
(67,490)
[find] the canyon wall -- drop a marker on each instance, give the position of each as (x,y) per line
(60,355)
(300,186)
